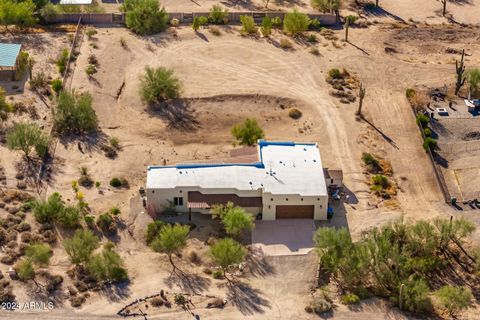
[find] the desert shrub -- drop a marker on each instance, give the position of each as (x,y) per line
(423,120)
(81,246)
(114,142)
(266,26)
(91,70)
(194,258)
(144,16)
(370,161)
(350,298)
(286,44)
(107,265)
(115,211)
(5,106)
(179,299)
(174,22)
(473,78)
(335,73)
(89,220)
(85,179)
(277,21)
(56,85)
(22,65)
(92,59)
(380,181)
(123,43)
(62,60)
(38,81)
(410,93)
(248,133)
(106,223)
(74,113)
(312,38)
(427,132)
(227,252)
(294,113)
(295,22)
(319,306)
(454,299)
(116,182)
(27,137)
(69,217)
(248,25)
(46,211)
(199,21)
(21,13)
(153,228)
(25,270)
(217,274)
(215,31)
(314,51)
(156,302)
(90,33)
(429,144)
(416,296)
(325,5)
(39,253)
(159,84)
(218,14)
(314,24)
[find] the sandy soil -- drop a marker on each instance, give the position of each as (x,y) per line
(226,79)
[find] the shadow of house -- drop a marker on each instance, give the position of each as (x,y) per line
(380,12)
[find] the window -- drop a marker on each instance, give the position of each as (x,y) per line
(331,181)
(178,201)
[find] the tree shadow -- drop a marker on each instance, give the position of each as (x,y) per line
(384,136)
(178,114)
(86,143)
(358,48)
(440,160)
(243,4)
(117,291)
(380,12)
(258,265)
(190,283)
(246,299)
(201,36)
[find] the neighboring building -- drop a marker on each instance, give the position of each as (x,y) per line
(287,182)
(8,60)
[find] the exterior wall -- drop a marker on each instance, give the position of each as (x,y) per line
(157,199)
(269,205)
(336,182)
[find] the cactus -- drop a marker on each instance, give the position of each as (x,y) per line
(460,70)
(361,95)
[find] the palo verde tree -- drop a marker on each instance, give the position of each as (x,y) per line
(218,14)
(325,5)
(19,13)
(74,113)
(170,240)
(227,252)
(81,246)
(46,211)
(454,299)
(39,253)
(248,133)
(234,219)
(107,265)
(460,72)
(27,137)
(295,22)
(145,16)
(158,85)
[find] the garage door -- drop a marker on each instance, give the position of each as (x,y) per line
(294,212)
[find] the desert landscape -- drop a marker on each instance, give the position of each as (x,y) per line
(226,77)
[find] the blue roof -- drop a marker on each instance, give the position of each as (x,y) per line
(8,54)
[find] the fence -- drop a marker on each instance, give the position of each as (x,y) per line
(183,17)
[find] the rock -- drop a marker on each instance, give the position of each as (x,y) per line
(72,291)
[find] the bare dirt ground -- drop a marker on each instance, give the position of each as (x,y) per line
(226,79)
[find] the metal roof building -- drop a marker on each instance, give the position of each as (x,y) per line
(8,55)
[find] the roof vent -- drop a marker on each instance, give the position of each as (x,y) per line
(314,160)
(304,149)
(180,172)
(251,182)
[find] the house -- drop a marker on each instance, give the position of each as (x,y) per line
(287,181)
(8,60)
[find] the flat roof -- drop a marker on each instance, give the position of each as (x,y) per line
(8,54)
(79,2)
(283,168)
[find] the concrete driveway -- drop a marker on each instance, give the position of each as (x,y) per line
(284,237)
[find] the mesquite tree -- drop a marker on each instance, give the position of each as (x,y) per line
(460,70)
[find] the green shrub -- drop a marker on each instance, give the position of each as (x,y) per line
(218,14)
(370,161)
(153,228)
(107,265)
(46,211)
(277,21)
(295,22)
(312,38)
(314,24)
(38,81)
(116,182)
(410,93)
(106,223)
(248,25)
(62,61)
(381,181)
(429,144)
(159,84)
(115,211)
(89,220)
(179,299)
(416,296)
(454,299)
(56,85)
(325,5)
(25,270)
(199,21)
(350,298)
(427,132)
(27,137)
(90,33)
(217,274)
(144,16)
(69,217)
(174,22)
(91,70)
(423,120)
(335,73)
(248,133)
(74,114)
(266,26)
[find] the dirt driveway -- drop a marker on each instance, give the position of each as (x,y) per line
(284,237)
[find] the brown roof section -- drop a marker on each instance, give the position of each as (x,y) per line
(212,199)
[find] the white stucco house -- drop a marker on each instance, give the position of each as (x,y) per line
(287,181)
